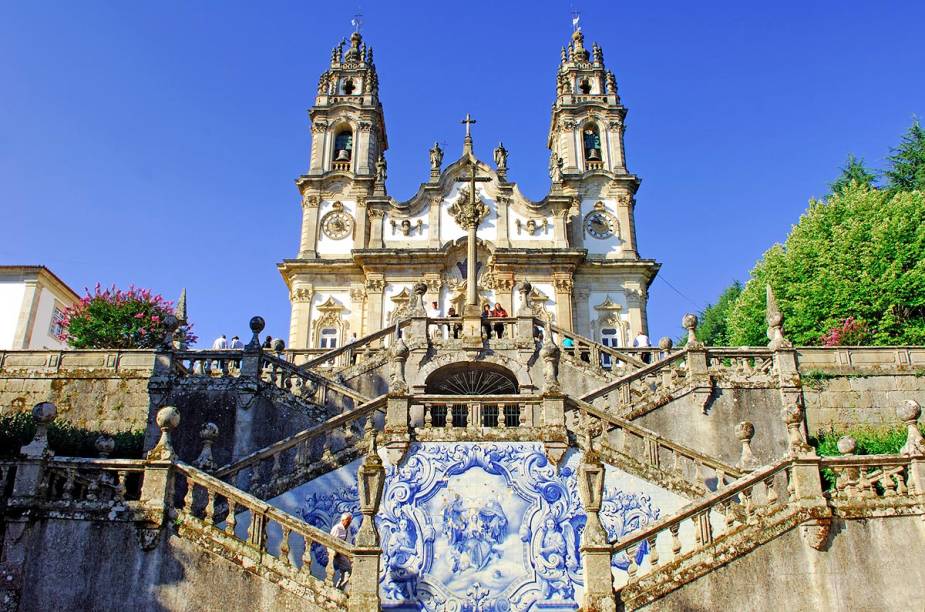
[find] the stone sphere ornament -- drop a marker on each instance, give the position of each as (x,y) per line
(257,324)
(420,288)
(689,321)
(847,445)
(792,414)
(279,345)
(745,430)
(168,418)
(104,445)
(208,432)
(909,411)
(665,343)
(44,412)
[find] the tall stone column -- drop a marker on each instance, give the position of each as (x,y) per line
(625,215)
(309,237)
(364,579)
(433,222)
(358,310)
(360,227)
(376,217)
(503,240)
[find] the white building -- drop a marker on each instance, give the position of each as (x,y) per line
(32,300)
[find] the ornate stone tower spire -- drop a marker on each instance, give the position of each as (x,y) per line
(348,127)
(587,118)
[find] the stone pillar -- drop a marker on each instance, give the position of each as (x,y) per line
(376,217)
(697,365)
(503,240)
(375,286)
(357,310)
(562,282)
(359,232)
(29,473)
(300,323)
(309,227)
(433,223)
(555,438)
(248,389)
(595,548)
(625,205)
(364,579)
(157,485)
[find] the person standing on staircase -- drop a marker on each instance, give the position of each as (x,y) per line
(341,531)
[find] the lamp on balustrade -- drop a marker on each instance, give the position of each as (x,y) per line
(370,481)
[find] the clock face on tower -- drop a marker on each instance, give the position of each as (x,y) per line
(337,224)
(600,224)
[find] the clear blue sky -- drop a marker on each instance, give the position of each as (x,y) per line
(156,143)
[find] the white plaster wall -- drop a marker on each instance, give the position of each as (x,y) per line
(396,238)
(540,234)
(388,305)
(320,297)
(327,246)
(11,295)
(607,246)
(40,336)
(450,230)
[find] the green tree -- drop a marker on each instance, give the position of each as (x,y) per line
(907,164)
(860,254)
(712,328)
(854,171)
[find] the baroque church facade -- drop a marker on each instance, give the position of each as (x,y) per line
(361,250)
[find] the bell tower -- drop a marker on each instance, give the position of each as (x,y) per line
(586,131)
(348,127)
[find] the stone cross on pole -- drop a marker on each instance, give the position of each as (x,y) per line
(469,216)
(467,143)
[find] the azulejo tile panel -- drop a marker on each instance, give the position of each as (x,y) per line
(485,527)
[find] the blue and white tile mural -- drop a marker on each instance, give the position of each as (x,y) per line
(485,527)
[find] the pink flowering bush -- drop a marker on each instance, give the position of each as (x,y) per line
(851,332)
(118,319)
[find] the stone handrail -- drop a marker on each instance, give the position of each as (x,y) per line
(227,362)
(669,539)
(282,374)
(853,358)
(870,476)
(595,349)
(639,374)
(207,502)
(274,452)
(654,446)
(104,481)
(118,360)
(351,346)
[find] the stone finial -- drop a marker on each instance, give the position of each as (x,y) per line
(550,354)
(370,481)
(256,324)
(419,289)
(208,434)
(398,355)
(179,310)
(43,414)
(775,321)
(168,418)
(525,289)
(279,345)
(745,431)
(909,412)
(104,445)
(689,322)
(847,445)
(171,325)
(665,344)
(793,418)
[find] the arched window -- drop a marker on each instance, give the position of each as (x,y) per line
(592,143)
(328,338)
(343,146)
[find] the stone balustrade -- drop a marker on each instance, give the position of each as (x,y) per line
(213,510)
(870,476)
(848,359)
(306,384)
(655,453)
(699,524)
(299,457)
(210,363)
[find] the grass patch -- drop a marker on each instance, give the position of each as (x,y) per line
(64,438)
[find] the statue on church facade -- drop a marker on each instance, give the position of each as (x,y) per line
(436,157)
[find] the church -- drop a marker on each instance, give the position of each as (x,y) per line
(405,454)
(361,250)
